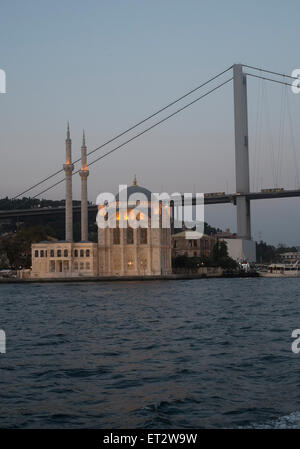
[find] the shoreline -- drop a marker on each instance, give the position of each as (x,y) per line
(170,277)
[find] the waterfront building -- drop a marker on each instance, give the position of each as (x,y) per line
(184,245)
(290,257)
(143,251)
(239,249)
(127,251)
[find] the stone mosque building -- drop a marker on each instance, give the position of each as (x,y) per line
(120,251)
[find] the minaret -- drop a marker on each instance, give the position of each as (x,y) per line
(84,173)
(68,168)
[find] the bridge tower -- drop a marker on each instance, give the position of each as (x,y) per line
(241,152)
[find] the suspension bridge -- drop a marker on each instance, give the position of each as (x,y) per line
(243,195)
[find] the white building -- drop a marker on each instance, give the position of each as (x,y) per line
(140,251)
(290,257)
(241,250)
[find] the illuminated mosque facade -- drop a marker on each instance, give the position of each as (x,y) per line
(121,250)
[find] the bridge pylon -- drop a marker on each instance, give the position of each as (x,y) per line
(241,152)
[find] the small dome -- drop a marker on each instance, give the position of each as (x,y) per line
(136,189)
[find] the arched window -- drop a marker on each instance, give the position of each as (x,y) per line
(65,253)
(129,236)
(42,253)
(59,253)
(76,253)
(143,264)
(116,236)
(81,253)
(87,253)
(36,253)
(51,252)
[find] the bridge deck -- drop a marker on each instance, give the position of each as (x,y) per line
(214,199)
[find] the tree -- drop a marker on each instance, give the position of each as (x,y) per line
(17,246)
(220,250)
(220,256)
(4,262)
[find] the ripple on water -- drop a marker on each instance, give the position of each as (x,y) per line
(202,353)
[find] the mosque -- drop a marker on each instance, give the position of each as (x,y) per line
(120,251)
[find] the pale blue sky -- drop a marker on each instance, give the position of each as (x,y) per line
(104,65)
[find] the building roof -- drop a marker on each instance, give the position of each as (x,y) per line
(189,235)
(135,189)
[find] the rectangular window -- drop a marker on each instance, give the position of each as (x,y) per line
(129,236)
(116,236)
(52,266)
(36,253)
(143,236)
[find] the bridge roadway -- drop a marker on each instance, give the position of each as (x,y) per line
(211,199)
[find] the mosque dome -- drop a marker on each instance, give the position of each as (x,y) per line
(136,189)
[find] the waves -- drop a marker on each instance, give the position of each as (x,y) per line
(211,353)
(291,421)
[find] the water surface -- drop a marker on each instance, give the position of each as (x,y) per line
(162,354)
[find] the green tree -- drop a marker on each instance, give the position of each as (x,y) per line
(17,246)
(221,258)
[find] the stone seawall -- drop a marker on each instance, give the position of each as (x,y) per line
(170,277)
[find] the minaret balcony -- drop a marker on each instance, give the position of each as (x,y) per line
(68,167)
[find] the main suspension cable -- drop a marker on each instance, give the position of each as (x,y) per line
(138,135)
(128,130)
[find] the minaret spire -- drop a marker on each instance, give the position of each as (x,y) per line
(68,130)
(84,173)
(68,168)
(83,153)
